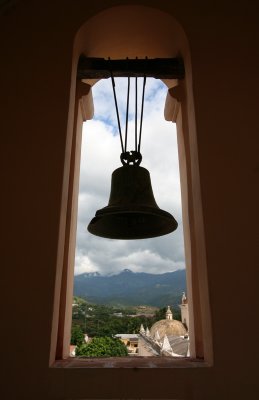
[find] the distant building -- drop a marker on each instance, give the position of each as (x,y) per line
(130,341)
(118,314)
(72,350)
(168,326)
(167,337)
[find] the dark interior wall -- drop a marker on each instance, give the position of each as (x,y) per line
(36,64)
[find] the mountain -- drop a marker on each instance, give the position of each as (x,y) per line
(130,288)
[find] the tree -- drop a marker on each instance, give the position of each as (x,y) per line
(103,347)
(160,314)
(77,335)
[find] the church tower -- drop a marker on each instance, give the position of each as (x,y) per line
(184,311)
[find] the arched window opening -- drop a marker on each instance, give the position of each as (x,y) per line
(161,37)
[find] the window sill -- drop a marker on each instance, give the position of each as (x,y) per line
(129,362)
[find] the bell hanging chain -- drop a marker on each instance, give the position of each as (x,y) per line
(127,115)
(117,111)
(136,113)
(142,110)
(133,157)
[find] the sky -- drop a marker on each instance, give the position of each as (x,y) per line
(100,156)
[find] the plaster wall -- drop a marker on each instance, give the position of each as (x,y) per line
(37,98)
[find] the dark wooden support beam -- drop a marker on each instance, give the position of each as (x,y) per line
(160,68)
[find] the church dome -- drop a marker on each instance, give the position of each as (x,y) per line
(168,327)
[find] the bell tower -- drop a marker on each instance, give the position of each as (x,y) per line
(184,311)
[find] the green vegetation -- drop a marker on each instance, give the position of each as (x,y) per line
(77,335)
(102,347)
(100,320)
(101,323)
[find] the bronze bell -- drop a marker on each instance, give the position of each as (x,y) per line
(132,212)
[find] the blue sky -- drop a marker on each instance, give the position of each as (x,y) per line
(101,155)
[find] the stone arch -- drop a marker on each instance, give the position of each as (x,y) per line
(138,31)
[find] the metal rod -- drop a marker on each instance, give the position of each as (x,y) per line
(136,113)
(142,110)
(117,111)
(127,116)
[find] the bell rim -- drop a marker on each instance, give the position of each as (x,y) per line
(95,230)
(131,209)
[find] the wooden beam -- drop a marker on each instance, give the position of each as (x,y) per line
(160,68)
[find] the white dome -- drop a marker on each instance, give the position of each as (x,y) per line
(168,327)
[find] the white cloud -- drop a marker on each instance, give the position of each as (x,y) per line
(148,261)
(84,264)
(101,155)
